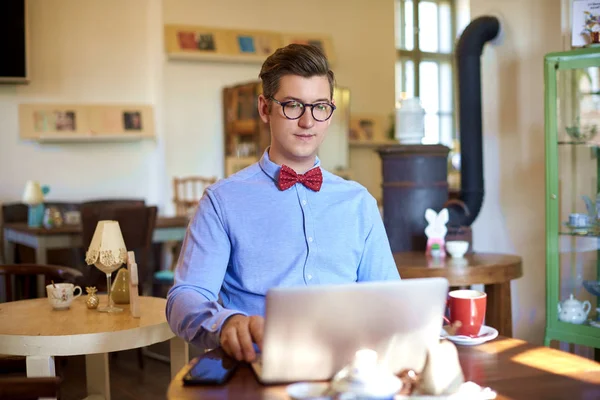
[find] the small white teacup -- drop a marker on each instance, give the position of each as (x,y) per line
(60,295)
(457,248)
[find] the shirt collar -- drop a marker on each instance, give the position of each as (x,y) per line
(272,169)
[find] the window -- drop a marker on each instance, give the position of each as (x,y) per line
(426,32)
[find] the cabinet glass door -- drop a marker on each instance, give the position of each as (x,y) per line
(579,189)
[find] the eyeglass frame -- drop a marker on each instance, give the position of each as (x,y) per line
(304,105)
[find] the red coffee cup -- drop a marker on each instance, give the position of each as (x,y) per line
(468,308)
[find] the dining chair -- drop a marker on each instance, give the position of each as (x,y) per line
(11,213)
(55,273)
(137,224)
(23,388)
(137,227)
(187,192)
(113,202)
(60,274)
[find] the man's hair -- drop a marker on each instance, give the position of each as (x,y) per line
(294,59)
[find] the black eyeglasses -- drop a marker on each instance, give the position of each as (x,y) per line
(293,109)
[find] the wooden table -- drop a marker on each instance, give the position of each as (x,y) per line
(512,368)
(33,329)
(495,271)
(168,229)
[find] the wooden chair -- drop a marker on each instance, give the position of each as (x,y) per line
(51,273)
(137,227)
(113,202)
(187,192)
(22,388)
(16,364)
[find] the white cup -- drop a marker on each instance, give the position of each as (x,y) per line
(60,295)
(457,248)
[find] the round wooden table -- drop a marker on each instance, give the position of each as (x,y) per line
(495,271)
(32,328)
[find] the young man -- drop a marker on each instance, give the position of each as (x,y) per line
(280,222)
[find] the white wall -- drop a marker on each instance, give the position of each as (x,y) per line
(512,217)
(112,51)
(363,38)
(92,51)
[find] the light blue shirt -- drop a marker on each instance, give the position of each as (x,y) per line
(248,236)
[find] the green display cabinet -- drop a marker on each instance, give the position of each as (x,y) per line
(572,111)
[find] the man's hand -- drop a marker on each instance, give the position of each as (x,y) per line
(238,333)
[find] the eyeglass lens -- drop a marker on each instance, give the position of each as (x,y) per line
(320,111)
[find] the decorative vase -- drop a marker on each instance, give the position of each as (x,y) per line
(120,288)
(92,300)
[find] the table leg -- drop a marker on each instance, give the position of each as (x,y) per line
(40,366)
(180,355)
(41,257)
(97,376)
(499,308)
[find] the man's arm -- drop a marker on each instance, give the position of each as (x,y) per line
(193,311)
(377,262)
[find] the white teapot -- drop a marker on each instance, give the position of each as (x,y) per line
(573,311)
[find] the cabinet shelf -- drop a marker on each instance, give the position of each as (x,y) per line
(573,143)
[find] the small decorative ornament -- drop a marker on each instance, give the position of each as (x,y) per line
(92,300)
(436,232)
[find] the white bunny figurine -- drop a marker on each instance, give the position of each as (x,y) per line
(436,232)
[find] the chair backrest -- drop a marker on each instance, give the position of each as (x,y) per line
(114,202)
(55,273)
(137,227)
(22,388)
(187,192)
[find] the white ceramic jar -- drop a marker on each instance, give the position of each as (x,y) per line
(410,121)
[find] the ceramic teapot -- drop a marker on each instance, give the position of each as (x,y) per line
(573,311)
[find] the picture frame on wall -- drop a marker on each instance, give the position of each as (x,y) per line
(196,40)
(323,42)
(367,128)
(585,23)
(43,121)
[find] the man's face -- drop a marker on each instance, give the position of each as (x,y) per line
(296,142)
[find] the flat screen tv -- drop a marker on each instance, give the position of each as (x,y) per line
(13,42)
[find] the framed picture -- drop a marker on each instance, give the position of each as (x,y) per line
(196,40)
(585,22)
(323,42)
(255,43)
(366,128)
(235,164)
(64,121)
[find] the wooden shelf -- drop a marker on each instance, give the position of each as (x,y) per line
(70,138)
(225,58)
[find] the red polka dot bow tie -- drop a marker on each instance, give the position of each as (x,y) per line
(312,179)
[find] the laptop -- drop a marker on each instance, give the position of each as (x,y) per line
(313,332)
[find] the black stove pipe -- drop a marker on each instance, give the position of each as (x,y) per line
(468,51)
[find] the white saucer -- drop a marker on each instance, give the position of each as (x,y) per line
(486,333)
(595,324)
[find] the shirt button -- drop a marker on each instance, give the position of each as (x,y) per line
(309,277)
(310,239)
(214,326)
(303,202)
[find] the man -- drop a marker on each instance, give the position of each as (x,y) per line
(280,222)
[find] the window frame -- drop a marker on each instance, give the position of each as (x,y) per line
(417,56)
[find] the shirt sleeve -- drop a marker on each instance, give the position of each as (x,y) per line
(193,309)
(377,262)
